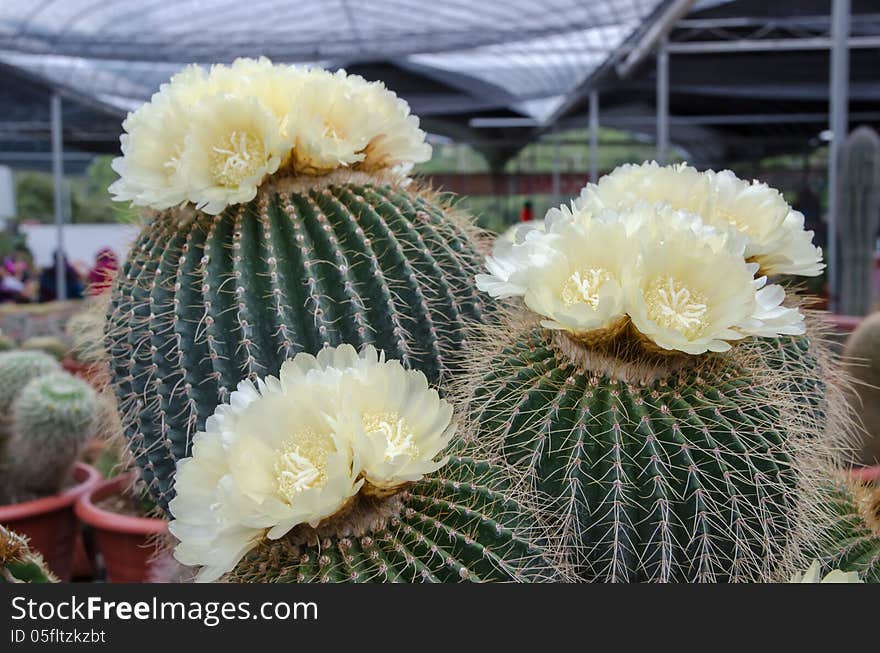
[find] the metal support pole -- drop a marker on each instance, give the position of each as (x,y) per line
(557,182)
(662,103)
(838,123)
(594,136)
(58,181)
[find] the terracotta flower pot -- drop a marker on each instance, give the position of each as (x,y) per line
(125,542)
(50,523)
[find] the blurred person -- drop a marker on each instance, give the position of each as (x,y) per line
(48,278)
(11,287)
(102,274)
(527,213)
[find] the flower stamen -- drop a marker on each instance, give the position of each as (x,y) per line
(583,286)
(674,305)
(398,435)
(238,160)
(301,464)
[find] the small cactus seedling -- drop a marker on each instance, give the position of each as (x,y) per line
(17,368)
(52,419)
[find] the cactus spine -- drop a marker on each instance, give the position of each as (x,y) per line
(859,220)
(18,563)
(52,418)
(205,301)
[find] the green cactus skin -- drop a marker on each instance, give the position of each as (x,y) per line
(205,301)
(52,418)
(18,563)
(859,220)
(671,475)
(53,346)
(850,535)
(458,525)
(861,358)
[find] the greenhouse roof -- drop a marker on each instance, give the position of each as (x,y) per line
(497,73)
(518,54)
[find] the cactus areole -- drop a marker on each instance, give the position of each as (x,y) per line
(327,243)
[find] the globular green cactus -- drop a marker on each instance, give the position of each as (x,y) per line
(17,368)
(848,533)
(52,418)
(18,563)
(859,220)
(861,357)
(657,470)
(53,346)
(204,301)
(458,525)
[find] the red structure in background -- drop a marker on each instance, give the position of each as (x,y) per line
(523,183)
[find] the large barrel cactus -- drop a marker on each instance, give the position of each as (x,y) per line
(335,247)
(283,226)
(859,220)
(662,405)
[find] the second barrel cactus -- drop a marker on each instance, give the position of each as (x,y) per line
(664,405)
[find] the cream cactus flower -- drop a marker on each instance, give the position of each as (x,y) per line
(814,575)
(580,288)
(327,132)
(266,462)
(149,168)
(298,449)
(686,295)
(232,144)
(685,285)
(511,262)
(775,237)
(212,137)
(398,424)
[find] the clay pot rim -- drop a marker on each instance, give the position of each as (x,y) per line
(97,517)
(86,476)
